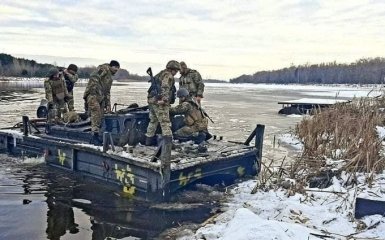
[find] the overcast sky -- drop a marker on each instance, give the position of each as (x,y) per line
(221,39)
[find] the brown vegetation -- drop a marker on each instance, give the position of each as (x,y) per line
(347,132)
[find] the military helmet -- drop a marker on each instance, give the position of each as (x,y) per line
(173,65)
(183,92)
(183,65)
(53,71)
(73,67)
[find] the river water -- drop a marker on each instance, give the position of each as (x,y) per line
(39,202)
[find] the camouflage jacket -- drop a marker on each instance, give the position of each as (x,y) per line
(193,82)
(70,80)
(167,83)
(191,111)
(100,84)
(55,89)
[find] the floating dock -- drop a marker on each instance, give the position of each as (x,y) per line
(307,105)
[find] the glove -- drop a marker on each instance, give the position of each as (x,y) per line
(198,99)
(67,99)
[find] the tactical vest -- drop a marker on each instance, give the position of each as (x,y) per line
(58,88)
(195,116)
(153,96)
(187,82)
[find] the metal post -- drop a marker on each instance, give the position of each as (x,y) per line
(252,134)
(111,142)
(105,141)
(25,125)
(260,129)
(165,157)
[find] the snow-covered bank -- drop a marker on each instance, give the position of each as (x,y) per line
(319,212)
(292,213)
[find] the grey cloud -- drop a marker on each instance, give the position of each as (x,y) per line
(206,31)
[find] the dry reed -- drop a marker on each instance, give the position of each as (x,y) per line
(347,132)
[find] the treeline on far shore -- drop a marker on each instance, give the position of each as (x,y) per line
(363,71)
(19,67)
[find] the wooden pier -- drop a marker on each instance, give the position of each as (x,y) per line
(307,105)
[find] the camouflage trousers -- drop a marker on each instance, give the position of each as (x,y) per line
(192,130)
(159,114)
(95,111)
(71,102)
(55,113)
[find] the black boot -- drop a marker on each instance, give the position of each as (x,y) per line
(200,138)
(149,141)
(95,138)
(208,136)
(166,150)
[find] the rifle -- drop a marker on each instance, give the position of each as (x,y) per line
(154,90)
(205,113)
(128,109)
(202,110)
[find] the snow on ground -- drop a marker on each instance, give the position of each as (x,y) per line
(346,93)
(291,141)
(380,132)
(315,214)
(313,101)
(274,215)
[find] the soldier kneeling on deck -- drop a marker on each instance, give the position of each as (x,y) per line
(194,119)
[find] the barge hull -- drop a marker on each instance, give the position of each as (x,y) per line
(130,176)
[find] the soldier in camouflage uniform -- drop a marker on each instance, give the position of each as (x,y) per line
(159,103)
(97,95)
(71,77)
(192,81)
(194,119)
(56,94)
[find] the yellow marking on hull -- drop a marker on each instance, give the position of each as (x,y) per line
(62,156)
(241,171)
(184,180)
(129,190)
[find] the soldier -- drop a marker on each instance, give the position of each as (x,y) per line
(97,95)
(192,81)
(159,102)
(71,77)
(56,94)
(195,121)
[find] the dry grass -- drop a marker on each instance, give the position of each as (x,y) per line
(345,131)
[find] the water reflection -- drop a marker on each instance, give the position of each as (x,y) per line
(60,215)
(21,83)
(11,84)
(104,213)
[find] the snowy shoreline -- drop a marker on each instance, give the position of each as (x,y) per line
(314,213)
